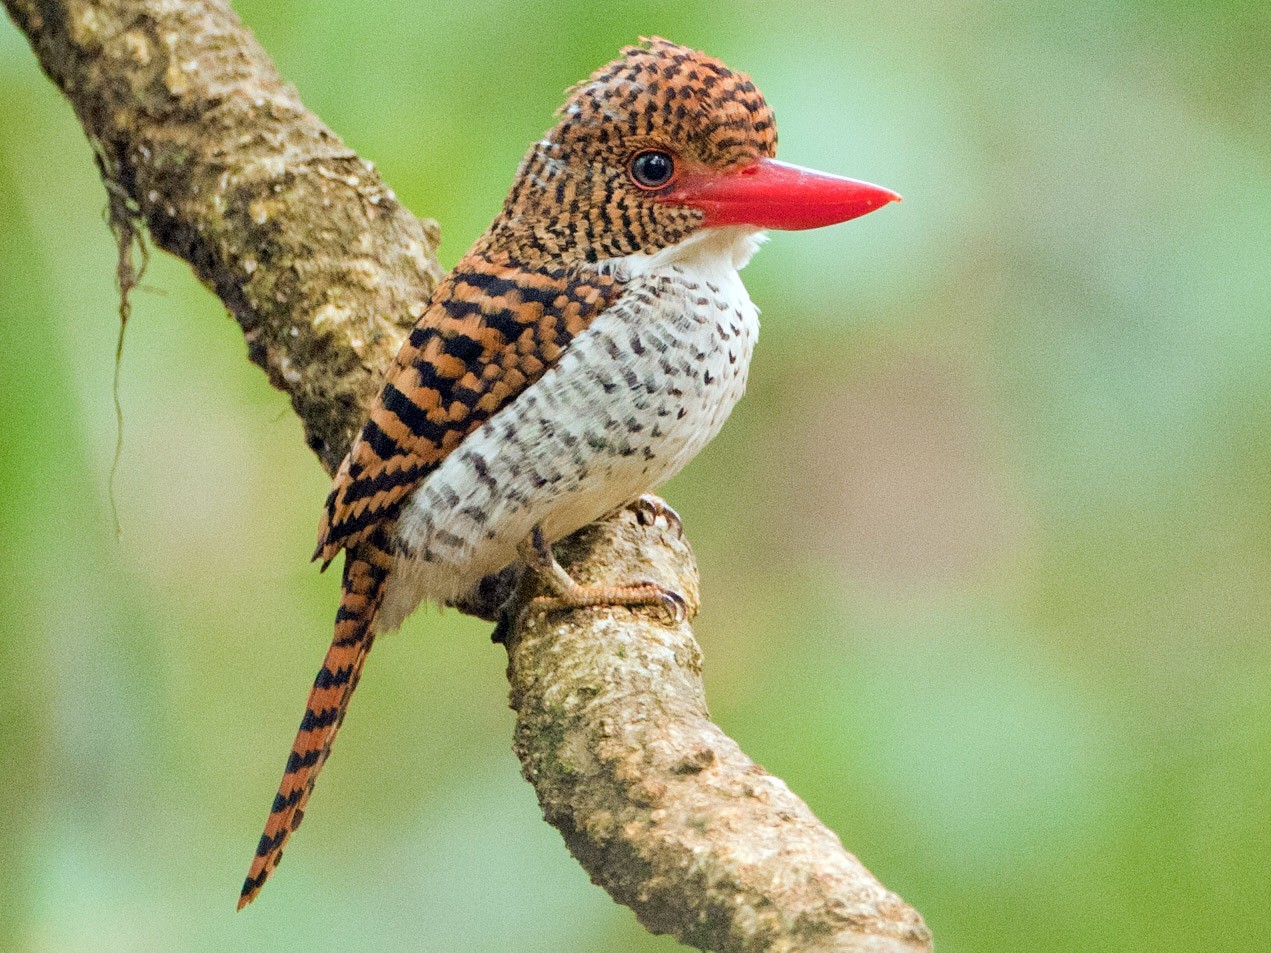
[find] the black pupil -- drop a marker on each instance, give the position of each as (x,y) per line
(652,169)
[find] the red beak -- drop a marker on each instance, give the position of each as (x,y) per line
(772,194)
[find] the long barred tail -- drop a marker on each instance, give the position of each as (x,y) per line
(365,571)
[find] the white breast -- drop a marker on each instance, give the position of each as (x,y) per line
(632,400)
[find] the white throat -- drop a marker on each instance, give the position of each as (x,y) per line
(708,250)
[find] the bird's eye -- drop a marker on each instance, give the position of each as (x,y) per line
(652,169)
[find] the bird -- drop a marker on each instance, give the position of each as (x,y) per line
(591,342)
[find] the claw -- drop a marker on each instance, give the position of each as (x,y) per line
(674,603)
(669,601)
(648,508)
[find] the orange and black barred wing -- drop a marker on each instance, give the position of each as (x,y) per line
(490,331)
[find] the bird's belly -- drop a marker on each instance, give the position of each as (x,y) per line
(631,401)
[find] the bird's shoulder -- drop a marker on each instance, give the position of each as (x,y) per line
(491,329)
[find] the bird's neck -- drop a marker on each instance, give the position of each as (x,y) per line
(717,250)
(518,243)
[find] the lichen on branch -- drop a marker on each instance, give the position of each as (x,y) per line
(198,136)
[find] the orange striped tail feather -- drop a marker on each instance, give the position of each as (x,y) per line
(365,572)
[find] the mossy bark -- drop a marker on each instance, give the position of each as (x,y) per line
(199,138)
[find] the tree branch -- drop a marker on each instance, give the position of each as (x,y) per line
(198,138)
(662,808)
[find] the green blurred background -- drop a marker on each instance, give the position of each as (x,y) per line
(985,552)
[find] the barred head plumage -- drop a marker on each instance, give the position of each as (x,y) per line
(673,95)
(578,193)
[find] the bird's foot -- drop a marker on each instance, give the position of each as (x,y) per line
(567,594)
(648,508)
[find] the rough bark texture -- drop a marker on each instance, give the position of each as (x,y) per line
(662,808)
(198,138)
